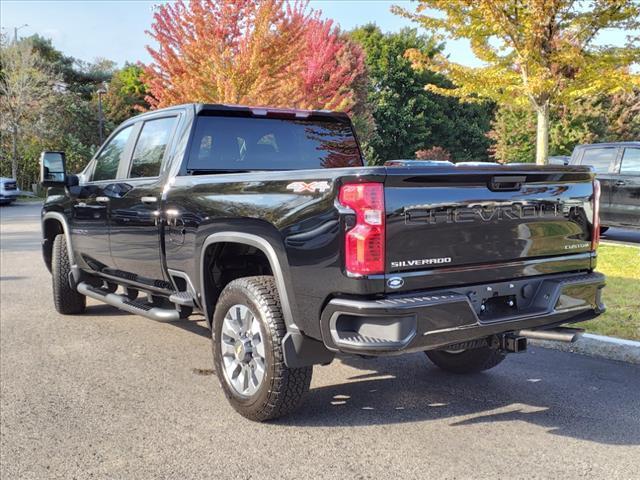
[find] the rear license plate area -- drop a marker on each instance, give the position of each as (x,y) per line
(498,306)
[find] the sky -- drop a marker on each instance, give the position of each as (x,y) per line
(116,29)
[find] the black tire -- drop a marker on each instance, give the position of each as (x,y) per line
(603,229)
(473,360)
(66,299)
(282,389)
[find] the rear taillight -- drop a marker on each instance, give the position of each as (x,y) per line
(364,242)
(595,234)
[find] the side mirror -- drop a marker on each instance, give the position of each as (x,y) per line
(53,172)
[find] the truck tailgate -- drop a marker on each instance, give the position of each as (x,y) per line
(443,217)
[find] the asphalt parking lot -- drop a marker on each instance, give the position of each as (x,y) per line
(111,395)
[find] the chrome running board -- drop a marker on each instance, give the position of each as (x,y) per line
(136,307)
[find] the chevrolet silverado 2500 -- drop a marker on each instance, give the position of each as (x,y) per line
(267,223)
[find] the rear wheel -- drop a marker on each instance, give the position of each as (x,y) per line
(247,333)
(66,299)
(472,360)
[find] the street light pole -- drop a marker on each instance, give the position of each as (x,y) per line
(15,32)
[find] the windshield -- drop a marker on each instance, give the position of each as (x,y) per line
(248,143)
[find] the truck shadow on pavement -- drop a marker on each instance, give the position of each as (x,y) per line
(195,324)
(102,309)
(566,394)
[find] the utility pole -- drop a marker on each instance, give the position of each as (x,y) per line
(14,160)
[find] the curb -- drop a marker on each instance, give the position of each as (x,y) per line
(597,346)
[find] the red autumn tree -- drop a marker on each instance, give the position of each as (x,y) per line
(254,52)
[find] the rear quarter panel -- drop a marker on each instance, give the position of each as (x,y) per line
(303,227)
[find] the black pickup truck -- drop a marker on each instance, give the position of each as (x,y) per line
(267,223)
(617,168)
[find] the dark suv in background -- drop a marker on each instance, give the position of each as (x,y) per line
(617,166)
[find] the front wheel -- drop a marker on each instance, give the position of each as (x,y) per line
(247,332)
(66,298)
(472,360)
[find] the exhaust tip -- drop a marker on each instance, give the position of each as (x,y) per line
(566,335)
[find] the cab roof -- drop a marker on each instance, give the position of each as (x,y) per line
(266,111)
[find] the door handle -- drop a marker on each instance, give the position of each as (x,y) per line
(149,200)
(102,199)
(620,183)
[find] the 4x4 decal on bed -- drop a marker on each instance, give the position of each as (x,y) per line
(299,187)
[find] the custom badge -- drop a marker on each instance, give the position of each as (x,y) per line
(299,187)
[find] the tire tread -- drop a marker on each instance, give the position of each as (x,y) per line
(66,299)
(288,386)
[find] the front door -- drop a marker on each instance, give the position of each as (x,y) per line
(625,199)
(135,211)
(91,203)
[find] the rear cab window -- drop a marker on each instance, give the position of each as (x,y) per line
(601,159)
(240,143)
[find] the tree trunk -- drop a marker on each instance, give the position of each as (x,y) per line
(14,159)
(542,137)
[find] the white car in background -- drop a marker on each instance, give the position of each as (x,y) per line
(9,191)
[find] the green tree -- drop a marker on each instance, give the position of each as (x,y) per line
(26,83)
(75,75)
(47,102)
(536,52)
(125,95)
(604,118)
(622,112)
(513,133)
(407,117)
(72,126)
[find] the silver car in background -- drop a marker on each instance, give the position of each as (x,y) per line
(9,191)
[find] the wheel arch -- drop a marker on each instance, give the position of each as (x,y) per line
(53,224)
(268,250)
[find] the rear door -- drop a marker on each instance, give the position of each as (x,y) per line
(90,216)
(625,200)
(603,161)
(135,203)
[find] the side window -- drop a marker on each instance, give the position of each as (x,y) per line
(630,161)
(599,158)
(109,158)
(150,147)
